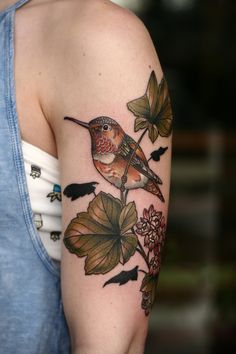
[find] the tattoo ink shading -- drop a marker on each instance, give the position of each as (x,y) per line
(108,233)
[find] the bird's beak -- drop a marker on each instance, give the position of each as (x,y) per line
(83,124)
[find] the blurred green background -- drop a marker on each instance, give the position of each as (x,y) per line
(195,312)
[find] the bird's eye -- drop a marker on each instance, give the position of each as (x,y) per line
(105,127)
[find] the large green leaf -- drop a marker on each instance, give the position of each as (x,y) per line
(154,108)
(105,209)
(128,217)
(103,234)
(104,256)
(128,244)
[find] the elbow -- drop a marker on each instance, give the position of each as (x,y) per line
(113,345)
(134,348)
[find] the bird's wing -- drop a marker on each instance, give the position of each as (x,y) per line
(126,150)
(139,152)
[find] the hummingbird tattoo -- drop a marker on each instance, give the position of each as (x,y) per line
(113,151)
(109,232)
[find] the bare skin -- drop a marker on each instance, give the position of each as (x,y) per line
(87,58)
(38,24)
(30,73)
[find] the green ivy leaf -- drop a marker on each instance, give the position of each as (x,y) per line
(103,234)
(140,107)
(163,112)
(140,123)
(152,132)
(152,93)
(154,108)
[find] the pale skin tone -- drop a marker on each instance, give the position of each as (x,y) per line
(87,59)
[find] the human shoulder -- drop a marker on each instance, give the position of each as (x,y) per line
(101,48)
(99,23)
(98,10)
(102,33)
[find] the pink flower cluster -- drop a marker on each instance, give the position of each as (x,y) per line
(152,227)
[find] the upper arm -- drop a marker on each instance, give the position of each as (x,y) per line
(111,63)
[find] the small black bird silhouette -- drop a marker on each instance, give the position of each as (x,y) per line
(76,190)
(156,155)
(123,277)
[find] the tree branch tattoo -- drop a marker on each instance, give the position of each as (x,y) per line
(107,233)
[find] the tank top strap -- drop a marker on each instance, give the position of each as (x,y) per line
(11,156)
(27,273)
(14,6)
(20,3)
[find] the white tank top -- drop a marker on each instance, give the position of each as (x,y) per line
(42,173)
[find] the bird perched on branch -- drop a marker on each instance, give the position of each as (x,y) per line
(118,158)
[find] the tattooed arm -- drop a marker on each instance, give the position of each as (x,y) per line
(112,121)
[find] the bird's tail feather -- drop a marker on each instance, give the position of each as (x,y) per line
(153,188)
